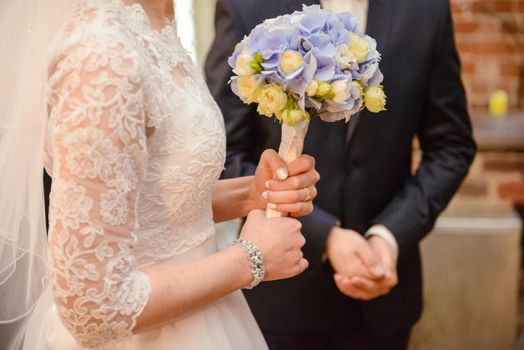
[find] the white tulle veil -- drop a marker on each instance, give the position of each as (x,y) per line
(28,29)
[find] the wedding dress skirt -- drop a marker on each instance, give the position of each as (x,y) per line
(226,324)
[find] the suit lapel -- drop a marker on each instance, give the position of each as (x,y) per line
(378,27)
(380,13)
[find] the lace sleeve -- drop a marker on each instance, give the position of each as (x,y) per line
(98,148)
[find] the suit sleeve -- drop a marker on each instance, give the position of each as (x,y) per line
(243,133)
(447,144)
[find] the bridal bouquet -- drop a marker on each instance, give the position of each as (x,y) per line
(312,63)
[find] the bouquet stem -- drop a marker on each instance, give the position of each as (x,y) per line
(291,147)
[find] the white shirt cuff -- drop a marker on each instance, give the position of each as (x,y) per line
(383,232)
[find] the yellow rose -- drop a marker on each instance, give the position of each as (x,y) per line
(312,88)
(247,86)
(358,48)
(244,62)
(292,116)
(290,61)
(271,100)
(375,99)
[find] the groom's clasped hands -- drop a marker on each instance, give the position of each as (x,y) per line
(364,268)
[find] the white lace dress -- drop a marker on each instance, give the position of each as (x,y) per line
(135,144)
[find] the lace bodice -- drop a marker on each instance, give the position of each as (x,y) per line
(135,143)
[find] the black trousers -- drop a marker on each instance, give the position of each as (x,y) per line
(350,333)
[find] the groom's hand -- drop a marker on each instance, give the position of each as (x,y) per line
(351,255)
(365,288)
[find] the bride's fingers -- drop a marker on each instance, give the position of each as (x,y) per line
(302,265)
(294,182)
(289,197)
(302,164)
(294,209)
(271,161)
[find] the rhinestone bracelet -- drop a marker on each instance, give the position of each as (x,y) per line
(256,261)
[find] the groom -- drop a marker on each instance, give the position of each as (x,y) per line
(363,287)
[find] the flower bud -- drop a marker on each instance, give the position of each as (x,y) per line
(312,88)
(292,116)
(375,99)
(323,89)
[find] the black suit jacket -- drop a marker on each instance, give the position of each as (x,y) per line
(366,165)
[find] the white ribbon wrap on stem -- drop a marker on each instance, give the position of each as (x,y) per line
(291,146)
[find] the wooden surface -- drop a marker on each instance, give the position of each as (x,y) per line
(499,134)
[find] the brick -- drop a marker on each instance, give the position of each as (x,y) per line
(456,8)
(478,88)
(491,6)
(484,48)
(513,191)
(468,67)
(503,6)
(491,56)
(474,188)
(466,27)
(504,165)
(510,70)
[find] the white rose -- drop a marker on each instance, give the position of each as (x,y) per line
(341,90)
(290,61)
(344,57)
(271,100)
(247,85)
(243,64)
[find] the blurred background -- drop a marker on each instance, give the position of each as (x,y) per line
(472,260)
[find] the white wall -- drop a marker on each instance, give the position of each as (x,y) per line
(195,23)
(204,16)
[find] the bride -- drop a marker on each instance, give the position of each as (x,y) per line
(103,94)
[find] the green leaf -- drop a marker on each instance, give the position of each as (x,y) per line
(256,66)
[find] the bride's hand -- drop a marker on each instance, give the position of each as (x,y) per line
(289,188)
(280,241)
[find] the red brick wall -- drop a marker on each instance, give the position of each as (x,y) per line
(490,39)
